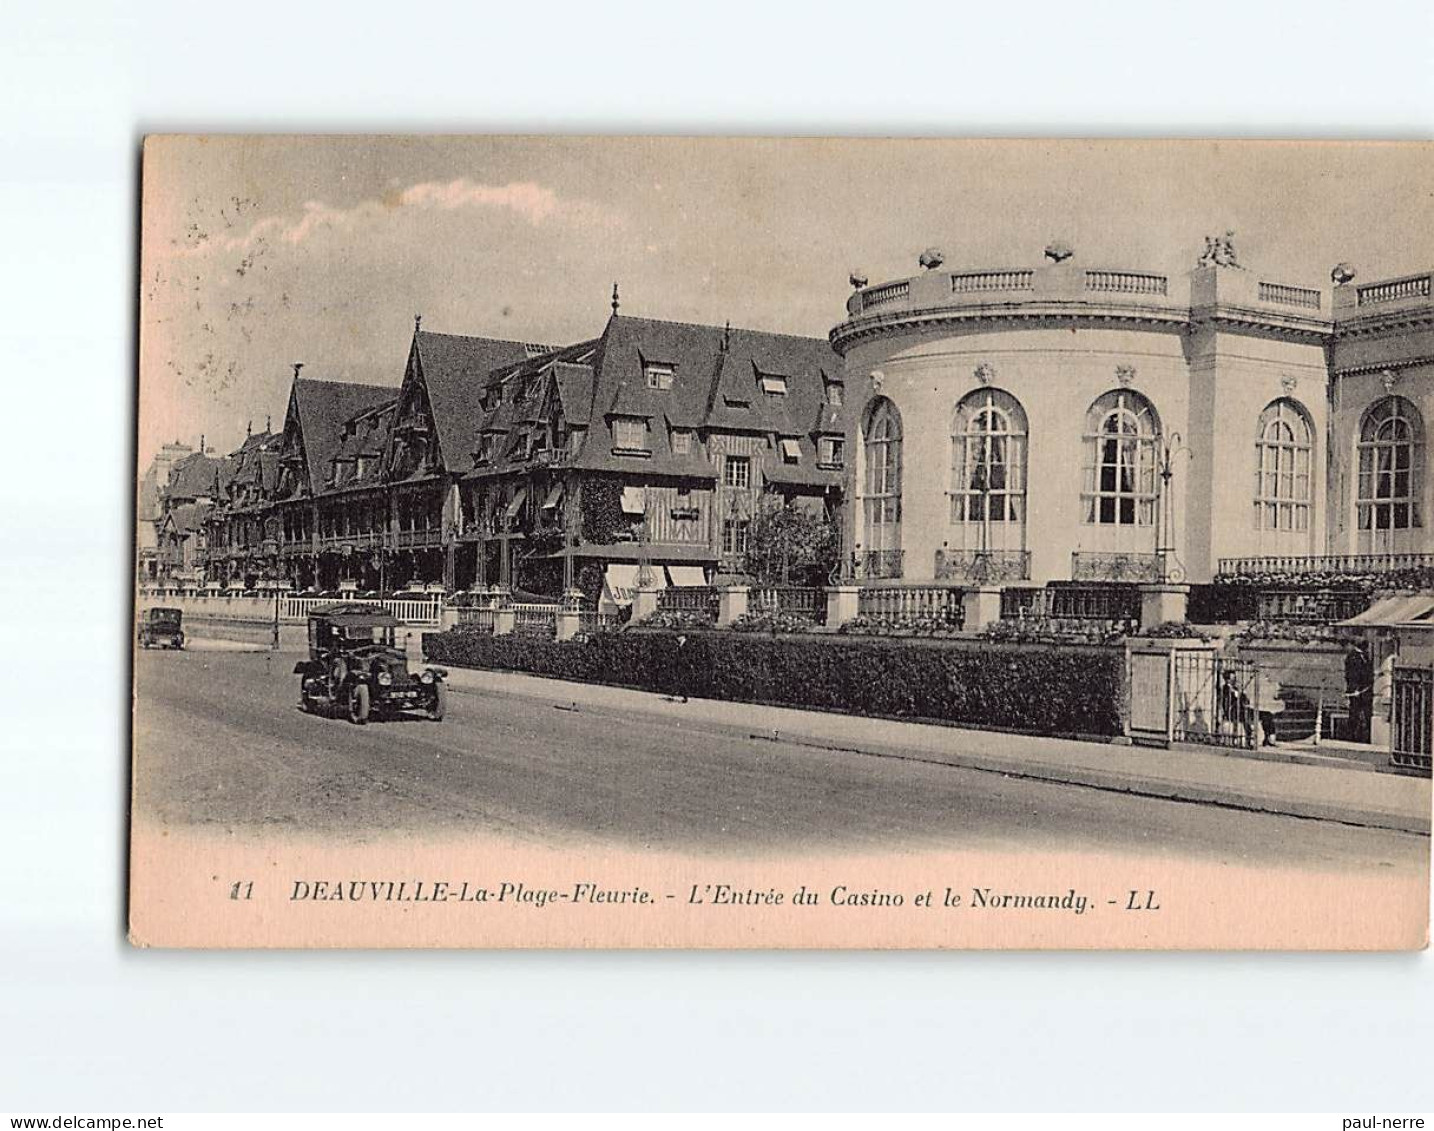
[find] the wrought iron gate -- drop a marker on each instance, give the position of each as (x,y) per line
(1215,700)
(1412,734)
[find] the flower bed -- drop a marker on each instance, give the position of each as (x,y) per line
(1050,689)
(771,620)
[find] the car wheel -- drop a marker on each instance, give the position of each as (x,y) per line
(358,703)
(439,704)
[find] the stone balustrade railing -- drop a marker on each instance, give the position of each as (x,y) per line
(887,292)
(1126,283)
(1282,294)
(1337,564)
(1394,290)
(969,282)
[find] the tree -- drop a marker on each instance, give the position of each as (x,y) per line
(791,545)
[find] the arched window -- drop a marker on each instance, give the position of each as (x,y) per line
(1391,464)
(1282,467)
(882,450)
(1122,435)
(988,458)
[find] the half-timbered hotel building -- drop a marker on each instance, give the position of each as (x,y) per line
(508,463)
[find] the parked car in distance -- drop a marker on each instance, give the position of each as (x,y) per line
(161,627)
(354,667)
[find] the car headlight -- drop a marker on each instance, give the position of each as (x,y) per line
(385,678)
(427,676)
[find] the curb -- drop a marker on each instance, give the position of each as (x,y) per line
(1108,781)
(1137,786)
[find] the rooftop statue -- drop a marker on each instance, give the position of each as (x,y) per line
(932,258)
(1059,251)
(1219,251)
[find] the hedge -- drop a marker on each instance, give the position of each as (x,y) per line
(1042,689)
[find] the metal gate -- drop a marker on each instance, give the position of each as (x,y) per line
(1412,735)
(1215,700)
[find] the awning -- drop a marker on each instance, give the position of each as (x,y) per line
(517,504)
(555,495)
(685,576)
(792,450)
(1390,611)
(619,583)
(634,500)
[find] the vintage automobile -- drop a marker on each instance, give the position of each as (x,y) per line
(354,667)
(163,628)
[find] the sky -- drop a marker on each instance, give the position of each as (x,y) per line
(259,252)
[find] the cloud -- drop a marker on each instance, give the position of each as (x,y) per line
(536,204)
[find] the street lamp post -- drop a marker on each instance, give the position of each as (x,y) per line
(1167,561)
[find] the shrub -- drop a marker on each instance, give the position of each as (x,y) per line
(1287,630)
(929,625)
(769,620)
(1053,630)
(1174,630)
(1046,690)
(677,619)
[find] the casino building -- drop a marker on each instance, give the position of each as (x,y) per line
(1084,422)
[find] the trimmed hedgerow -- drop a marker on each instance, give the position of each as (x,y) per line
(1040,689)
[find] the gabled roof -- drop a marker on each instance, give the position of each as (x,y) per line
(575,391)
(324,407)
(363,438)
(716,386)
(187,517)
(455,370)
(194,477)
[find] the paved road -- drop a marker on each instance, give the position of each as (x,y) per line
(223,744)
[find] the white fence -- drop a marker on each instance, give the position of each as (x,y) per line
(409,610)
(426,610)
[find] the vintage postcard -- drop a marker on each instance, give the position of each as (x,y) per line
(672,542)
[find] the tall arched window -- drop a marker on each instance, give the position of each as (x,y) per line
(1122,433)
(1282,467)
(882,501)
(988,470)
(1391,465)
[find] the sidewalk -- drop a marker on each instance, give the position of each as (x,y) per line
(1321,793)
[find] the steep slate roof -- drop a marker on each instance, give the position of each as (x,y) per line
(194,477)
(575,391)
(557,374)
(364,435)
(324,407)
(187,517)
(713,388)
(455,371)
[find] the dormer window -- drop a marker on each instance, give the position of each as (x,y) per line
(791,450)
(629,434)
(832,451)
(773,384)
(657,376)
(833,392)
(681,442)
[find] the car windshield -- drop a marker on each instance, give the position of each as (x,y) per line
(364,634)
